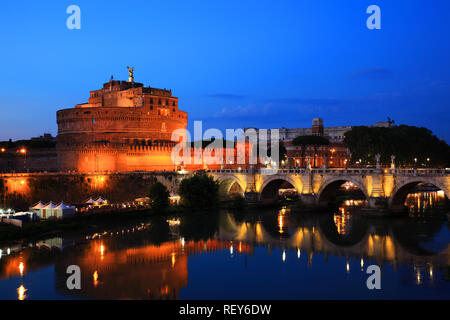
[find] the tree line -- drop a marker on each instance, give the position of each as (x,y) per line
(411,146)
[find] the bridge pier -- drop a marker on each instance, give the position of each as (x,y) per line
(309,200)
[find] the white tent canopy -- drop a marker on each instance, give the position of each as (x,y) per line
(39,205)
(100,200)
(50,206)
(90,200)
(62,206)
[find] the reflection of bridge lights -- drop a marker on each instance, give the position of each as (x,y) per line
(362,264)
(347,267)
(182,242)
(231,249)
(173,222)
(418,277)
(173,259)
(298,253)
(21,268)
(95,278)
(21,293)
(281,221)
(283,257)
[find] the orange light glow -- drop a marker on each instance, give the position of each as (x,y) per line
(173,259)
(95,277)
(21,268)
(3,149)
(21,293)
(23,150)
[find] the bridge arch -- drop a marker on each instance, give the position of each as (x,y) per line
(398,196)
(229,182)
(271,185)
(329,188)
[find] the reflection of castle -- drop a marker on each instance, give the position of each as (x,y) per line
(124,127)
(125,266)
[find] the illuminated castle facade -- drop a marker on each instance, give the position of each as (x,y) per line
(123,127)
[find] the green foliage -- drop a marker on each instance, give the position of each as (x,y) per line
(221,142)
(310,140)
(405,142)
(200,191)
(159,196)
(282,152)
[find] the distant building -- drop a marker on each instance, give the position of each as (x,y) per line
(336,153)
(35,155)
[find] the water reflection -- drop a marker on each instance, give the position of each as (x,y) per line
(420,203)
(136,262)
(21,293)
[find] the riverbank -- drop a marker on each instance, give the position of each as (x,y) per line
(79,222)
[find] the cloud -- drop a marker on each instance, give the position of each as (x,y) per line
(376,73)
(306,102)
(227,96)
(251,110)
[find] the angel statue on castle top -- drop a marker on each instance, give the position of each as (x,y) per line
(130,74)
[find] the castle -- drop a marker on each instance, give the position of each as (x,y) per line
(123,127)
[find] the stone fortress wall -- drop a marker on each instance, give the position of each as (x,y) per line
(123,127)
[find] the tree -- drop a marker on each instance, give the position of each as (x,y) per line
(159,196)
(411,146)
(310,140)
(200,191)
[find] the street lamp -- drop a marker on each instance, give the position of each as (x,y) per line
(24,152)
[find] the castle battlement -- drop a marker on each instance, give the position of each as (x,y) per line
(120,122)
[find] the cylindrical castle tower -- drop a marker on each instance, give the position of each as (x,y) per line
(123,127)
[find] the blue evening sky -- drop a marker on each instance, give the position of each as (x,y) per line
(232,63)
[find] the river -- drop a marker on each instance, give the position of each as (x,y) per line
(259,254)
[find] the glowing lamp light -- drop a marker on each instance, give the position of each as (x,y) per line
(21,292)
(21,268)
(3,149)
(95,278)
(23,151)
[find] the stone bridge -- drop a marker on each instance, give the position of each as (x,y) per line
(314,186)
(318,186)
